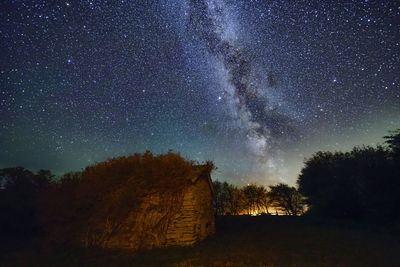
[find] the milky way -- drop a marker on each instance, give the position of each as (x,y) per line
(263,125)
(209,20)
(255,86)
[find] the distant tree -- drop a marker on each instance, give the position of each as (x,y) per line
(286,199)
(19,192)
(219,197)
(393,141)
(228,198)
(393,173)
(255,199)
(234,200)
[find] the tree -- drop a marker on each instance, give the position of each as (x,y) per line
(363,183)
(255,199)
(219,197)
(286,198)
(393,142)
(228,198)
(19,192)
(234,200)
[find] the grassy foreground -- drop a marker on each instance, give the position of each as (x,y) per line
(243,241)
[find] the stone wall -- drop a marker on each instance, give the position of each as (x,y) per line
(195,221)
(167,219)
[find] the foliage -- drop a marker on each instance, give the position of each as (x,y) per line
(256,199)
(19,191)
(393,142)
(91,205)
(227,198)
(286,199)
(361,184)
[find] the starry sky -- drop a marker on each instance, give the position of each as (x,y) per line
(255,86)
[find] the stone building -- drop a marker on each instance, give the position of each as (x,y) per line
(169,217)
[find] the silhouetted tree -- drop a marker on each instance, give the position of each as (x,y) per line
(228,198)
(255,199)
(234,200)
(286,199)
(219,197)
(19,191)
(393,141)
(362,184)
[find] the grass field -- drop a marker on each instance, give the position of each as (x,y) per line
(244,241)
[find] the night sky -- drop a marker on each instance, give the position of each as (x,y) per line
(255,86)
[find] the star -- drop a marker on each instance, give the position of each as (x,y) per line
(251,85)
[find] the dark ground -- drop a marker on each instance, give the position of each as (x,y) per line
(243,241)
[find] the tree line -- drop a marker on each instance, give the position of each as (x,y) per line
(257,199)
(362,184)
(20,190)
